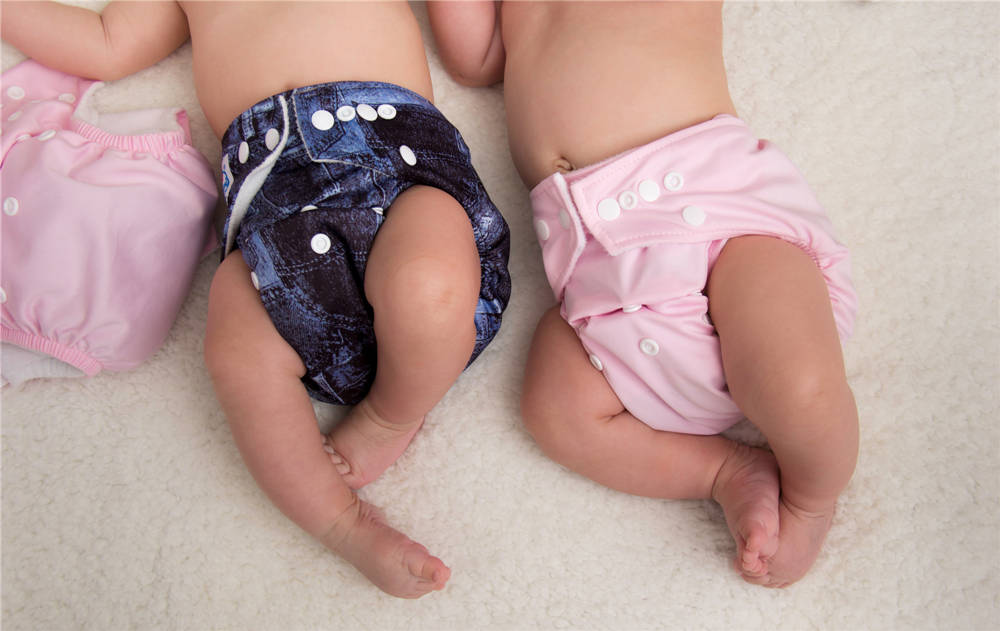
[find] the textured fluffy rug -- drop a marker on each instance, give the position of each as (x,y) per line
(126,504)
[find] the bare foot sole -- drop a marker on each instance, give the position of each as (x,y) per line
(748,487)
(392,561)
(363,445)
(799,542)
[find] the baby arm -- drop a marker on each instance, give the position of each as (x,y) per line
(469,40)
(125,38)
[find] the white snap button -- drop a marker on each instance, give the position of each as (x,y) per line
(648,346)
(386,111)
(408,156)
(542,230)
(22,137)
(649,190)
(66,97)
(627,200)
(596,362)
(15,92)
(244,152)
(255,280)
(367,112)
(322,120)
(307,208)
(673,181)
(320,243)
(379,210)
(11,206)
(564,220)
(693,215)
(345,113)
(14,116)
(271,138)
(3,296)
(608,209)
(631,308)
(46,135)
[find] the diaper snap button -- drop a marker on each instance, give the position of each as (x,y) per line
(596,362)
(3,296)
(255,280)
(673,181)
(320,243)
(627,200)
(322,120)
(608,209)
(409,157)
(649,190)
(244,152)
(306,209)
(11,206)
(542,230)
(14,116)
(631,308)
(367,112)
(387,111)
(378,210)
(693,215)
(15,92)
(648,346)
(345,113)
(271,138)
(47,135)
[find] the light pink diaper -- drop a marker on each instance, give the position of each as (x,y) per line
(105,217)
(628,245)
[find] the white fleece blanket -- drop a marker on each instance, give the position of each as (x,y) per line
(126,504)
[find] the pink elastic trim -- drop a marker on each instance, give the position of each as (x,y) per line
(158,144)
(71,356)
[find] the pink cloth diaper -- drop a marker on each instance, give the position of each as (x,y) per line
(628,245)
(105,217)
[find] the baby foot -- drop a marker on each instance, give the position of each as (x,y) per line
(388,558)
(748,487)
(800,539)
(363,445)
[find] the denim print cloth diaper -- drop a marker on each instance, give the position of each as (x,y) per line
(309,176)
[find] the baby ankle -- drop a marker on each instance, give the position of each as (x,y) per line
(337,533)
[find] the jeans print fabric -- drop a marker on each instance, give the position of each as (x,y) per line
(309,175)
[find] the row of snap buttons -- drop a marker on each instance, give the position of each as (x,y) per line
(647,345)
(610,208)
(324,120)
(11,205)
(17,93)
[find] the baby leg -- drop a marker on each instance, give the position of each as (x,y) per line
(257,375)
(422,281)
(578,421)
(784,367)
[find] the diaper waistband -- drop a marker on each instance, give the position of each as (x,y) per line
(711,181)
(332,98)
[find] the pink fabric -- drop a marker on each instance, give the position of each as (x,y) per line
(628,245)
(101,231)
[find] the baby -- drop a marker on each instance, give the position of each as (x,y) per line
(354,217)
(697,279)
